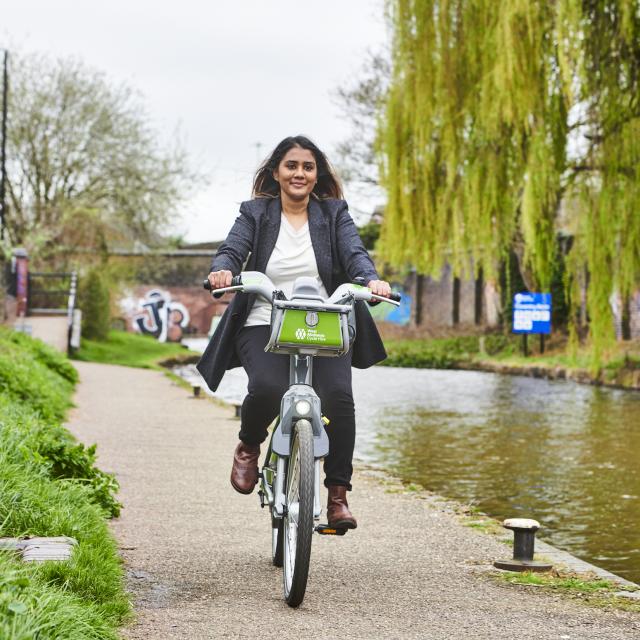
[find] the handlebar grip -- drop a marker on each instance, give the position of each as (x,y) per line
(396,297)
(236,281)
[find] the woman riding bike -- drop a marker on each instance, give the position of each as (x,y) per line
(296,225)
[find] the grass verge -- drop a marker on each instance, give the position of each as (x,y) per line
(443,353)
(591,590)
(49,486)
(502,353)
(129,350)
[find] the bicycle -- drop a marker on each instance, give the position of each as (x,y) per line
(304,327)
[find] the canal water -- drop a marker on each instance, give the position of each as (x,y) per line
(565,454)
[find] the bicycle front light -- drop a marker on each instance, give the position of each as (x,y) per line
(303,407)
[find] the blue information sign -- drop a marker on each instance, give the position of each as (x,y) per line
(532,313)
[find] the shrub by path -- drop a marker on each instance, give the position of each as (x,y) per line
(50,487)
(198,554)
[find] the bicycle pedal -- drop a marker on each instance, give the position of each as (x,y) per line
(326,530)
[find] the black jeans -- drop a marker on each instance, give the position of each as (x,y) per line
(269,379)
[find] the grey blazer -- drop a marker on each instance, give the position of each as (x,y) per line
(340,256)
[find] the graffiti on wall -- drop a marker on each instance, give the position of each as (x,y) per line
(160,314)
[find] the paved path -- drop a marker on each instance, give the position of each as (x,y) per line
(198,554)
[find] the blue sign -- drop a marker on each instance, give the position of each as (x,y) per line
(532,313)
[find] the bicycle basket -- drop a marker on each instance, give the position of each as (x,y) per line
(308,331)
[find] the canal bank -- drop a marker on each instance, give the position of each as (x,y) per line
(616,378)
(499,353)
(198,554)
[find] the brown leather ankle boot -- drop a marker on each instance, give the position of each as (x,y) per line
(338,514)
(244,472)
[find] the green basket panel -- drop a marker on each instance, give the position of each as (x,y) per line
(321,329)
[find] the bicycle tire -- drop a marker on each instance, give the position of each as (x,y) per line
(298,521)
(277,541)
(268,471)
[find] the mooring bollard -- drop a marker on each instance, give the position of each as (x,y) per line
(524,537)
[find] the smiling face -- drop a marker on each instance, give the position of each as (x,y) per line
(297,173)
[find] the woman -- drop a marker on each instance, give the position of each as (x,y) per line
(296,225)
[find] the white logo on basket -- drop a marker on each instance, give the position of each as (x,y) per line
(301,334)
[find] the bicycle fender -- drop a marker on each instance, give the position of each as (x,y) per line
(289,416)
(281,443)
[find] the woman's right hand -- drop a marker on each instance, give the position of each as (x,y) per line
(220,279)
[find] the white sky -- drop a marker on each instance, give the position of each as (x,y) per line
(228,74)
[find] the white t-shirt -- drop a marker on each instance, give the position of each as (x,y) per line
(292,257)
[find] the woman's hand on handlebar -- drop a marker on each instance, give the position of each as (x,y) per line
(380,288)
(220,279)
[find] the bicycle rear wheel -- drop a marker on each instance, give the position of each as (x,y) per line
(277,528)
(298,521)
(277,542)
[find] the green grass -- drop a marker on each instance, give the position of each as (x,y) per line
(129,350)
(589,589)
(621,364)
(49,486)
(560,583)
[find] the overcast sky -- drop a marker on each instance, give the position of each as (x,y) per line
(228,74)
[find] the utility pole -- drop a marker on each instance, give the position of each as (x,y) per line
(3,148)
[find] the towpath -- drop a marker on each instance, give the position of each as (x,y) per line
(197,554)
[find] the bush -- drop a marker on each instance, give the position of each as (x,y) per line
(36,383)
(52,449)
(443,353)
(49,486)
(42,352)
(31,609)
(30,375)
(95,303)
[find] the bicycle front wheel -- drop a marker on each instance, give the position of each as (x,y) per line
(298,520)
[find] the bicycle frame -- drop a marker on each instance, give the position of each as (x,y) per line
(300,390)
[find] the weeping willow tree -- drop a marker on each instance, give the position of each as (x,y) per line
(505,118)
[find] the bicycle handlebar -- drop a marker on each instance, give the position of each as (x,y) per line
(353,291)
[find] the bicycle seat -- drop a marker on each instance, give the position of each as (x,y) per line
(306,288)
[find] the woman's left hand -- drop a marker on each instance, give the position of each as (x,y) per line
(380,287)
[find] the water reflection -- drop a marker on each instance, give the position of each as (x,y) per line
(563,453)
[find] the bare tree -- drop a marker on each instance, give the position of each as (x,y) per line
(84,165)
(361,103)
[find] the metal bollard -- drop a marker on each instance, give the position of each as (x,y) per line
(524,537)
(196,390)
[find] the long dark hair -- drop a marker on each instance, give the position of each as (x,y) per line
(265,185)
